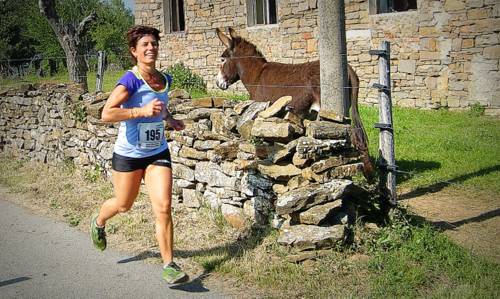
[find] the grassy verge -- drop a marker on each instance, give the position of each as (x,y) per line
(413,260)
(407,259)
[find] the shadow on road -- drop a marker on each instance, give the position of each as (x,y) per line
(224,252)
(13,281)
(445,225)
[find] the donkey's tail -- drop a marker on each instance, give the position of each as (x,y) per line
(358,134)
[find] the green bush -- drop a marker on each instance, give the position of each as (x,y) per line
(476,109)
(184,78)
(79,112)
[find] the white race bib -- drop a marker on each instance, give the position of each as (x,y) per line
(150,135)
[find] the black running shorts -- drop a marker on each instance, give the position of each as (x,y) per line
(127,164)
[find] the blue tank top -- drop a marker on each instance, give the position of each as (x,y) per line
(141,137)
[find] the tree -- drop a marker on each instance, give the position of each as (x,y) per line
(71,36)
(108,33)
(45,42)
(15,43)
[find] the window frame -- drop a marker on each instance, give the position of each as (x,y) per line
(267,15)
(179,18)
(378,7)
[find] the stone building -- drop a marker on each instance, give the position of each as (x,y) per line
(443,53)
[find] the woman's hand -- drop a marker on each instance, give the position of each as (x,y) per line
(177,124)
(153,108)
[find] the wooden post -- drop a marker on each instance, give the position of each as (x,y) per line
(387,161)
(100,71)
(333,57)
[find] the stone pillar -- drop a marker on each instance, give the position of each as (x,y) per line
(333,56)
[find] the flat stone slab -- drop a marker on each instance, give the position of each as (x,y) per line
(311,195)
(240,107)
(273,129)
(279,172)
(327,130)
(286,152)
(305,237)
(310,148)
(340,172)
(276,108)
(213,175)
(251,112)
(201,113)
(318,214)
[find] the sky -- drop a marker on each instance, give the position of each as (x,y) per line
(130,4)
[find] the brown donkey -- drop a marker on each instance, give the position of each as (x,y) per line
(269,81)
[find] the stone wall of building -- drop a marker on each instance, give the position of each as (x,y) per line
(250,160)
(444,54)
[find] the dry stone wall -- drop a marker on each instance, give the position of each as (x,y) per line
(444,54)
(51,124)
(254,161)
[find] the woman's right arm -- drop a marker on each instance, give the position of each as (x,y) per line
(112,112)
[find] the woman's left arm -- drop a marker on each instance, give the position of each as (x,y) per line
(177,124)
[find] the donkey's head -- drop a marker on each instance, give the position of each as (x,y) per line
(237,50)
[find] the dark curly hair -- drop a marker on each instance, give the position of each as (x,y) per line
(136,33)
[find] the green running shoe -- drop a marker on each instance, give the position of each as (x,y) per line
(97,234)
(172,273)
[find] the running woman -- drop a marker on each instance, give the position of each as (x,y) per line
(139,102)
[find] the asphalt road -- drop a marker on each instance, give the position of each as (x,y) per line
(40,258)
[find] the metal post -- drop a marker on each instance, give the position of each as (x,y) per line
(100,71)
(333,57)
(387,161)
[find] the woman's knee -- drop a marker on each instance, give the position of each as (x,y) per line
(123,208)
(164,211)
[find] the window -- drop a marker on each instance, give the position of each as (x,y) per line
(173,11)
(261,12)
(385,6)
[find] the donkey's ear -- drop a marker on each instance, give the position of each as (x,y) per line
(223,38)
(232,33)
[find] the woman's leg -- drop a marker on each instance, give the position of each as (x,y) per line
(126,187)
(158,181)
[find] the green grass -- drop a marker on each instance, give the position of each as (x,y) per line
(442,147)
(61,77)
(110,79)
(414,260)
(403,260)
(218,93)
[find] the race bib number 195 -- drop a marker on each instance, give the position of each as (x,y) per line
(150,135)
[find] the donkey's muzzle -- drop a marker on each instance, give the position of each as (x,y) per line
(222,85)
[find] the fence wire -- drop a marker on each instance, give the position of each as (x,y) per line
(40,68)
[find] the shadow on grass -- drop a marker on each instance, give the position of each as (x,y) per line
(444,225)
(414,166)
(440,185)
(223,253)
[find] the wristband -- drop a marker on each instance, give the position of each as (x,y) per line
(133,113)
